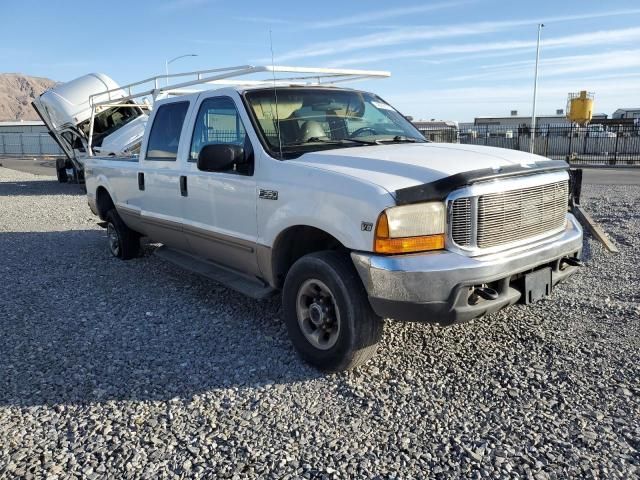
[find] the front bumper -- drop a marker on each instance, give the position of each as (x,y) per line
(435,287)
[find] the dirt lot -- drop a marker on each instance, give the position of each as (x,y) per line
(136,369)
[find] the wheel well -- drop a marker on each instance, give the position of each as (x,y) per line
(296,242)
(104,203)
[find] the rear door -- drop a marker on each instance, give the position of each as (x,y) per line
(159,178)
(220,218)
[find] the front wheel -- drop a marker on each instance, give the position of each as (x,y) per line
(327,313)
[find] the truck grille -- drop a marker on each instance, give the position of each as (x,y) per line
(461,221)
(508,217)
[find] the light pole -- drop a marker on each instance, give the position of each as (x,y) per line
(535,88)
(167,62)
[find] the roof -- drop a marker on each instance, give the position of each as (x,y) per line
(22,123)
(434,123)
(523,117)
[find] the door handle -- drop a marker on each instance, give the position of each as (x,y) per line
(183,185)
(140,181)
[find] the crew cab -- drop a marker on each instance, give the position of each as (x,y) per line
(332,197)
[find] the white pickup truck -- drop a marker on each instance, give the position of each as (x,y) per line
(66,111)
(331,196)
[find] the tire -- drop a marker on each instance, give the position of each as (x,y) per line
(124,243)
(61,171)
(337,332)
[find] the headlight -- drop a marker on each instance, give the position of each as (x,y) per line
(411,228)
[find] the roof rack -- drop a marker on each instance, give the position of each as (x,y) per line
(221,76)
(231,76)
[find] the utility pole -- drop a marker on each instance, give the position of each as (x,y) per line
(167,62)
(535,88)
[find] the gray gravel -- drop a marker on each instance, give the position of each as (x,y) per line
(113,369)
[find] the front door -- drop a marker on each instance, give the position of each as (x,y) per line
(220,216)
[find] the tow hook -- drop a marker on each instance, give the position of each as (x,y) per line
(572,262)
(487,293)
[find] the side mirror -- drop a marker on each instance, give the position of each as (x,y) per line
(219,157)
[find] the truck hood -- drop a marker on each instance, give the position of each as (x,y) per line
(397,166)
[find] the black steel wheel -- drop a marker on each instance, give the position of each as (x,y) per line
(123,242)
(327,312)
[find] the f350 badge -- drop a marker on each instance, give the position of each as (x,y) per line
(268,194)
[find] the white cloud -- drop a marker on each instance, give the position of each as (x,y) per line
(464,103)
(267,20)
(386,14)
(358,19)
(412,34)
(616,60)
(605,37)
(177,5)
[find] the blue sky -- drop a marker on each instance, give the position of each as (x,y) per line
(453,59)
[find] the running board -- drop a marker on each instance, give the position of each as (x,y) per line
(251,287)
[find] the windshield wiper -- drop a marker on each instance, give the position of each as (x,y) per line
(336,142)
(400,139)
(363,142)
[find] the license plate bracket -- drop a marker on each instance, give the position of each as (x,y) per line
(537,285)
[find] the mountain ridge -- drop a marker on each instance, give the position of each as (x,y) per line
(16,93)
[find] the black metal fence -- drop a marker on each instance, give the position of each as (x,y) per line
(614,145)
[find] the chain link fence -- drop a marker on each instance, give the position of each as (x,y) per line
(28,144)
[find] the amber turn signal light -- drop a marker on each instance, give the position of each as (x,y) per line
(383,243)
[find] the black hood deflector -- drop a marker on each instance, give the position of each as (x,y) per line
(439,189)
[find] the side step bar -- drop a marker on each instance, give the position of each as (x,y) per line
(251,287)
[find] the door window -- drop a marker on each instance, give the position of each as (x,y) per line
(165,131)
(218,121)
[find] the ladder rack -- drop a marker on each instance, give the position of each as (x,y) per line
(226,75)
(222,76)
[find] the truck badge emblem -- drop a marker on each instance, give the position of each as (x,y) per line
(366,226)
(268,194)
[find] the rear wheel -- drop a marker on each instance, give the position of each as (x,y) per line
(124,243)
(328,316)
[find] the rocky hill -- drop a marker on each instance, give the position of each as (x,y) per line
(16,93)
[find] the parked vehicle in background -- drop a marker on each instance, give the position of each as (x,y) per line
(596,131)
(66,110)
(330,196)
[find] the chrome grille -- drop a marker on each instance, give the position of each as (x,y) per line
(507,217)
(461,221)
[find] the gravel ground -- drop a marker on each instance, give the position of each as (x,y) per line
(113,369)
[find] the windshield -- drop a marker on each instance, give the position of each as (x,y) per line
(320,118)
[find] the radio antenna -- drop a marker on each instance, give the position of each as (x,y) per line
(275,94)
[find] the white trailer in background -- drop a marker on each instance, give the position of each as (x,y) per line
(67,112)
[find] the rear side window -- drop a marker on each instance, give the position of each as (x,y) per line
(165,131)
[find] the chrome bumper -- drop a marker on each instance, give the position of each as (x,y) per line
(434,286)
